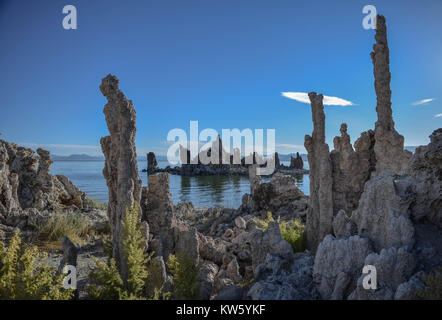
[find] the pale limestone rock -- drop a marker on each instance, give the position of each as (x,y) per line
(425,167)
(383,214)
(240,223)
(152,163)
(255,180)
(394,266)
(351,168)
(320,212)
(343,227)
(269,241)
(278,280)
(337,256)
(207,272)
(121,167)
(389,144)
(23,186)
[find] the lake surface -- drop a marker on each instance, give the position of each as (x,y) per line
(203,191)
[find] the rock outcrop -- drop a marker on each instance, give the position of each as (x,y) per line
(152,163)
(320,212)
(394,266)
(297,162)
(280,196)
(351,168)
(269,242)
(275,280)
(168,234)
(383,213)
(25,182)
(425,172)
(121,167)
(338,262)
(389,144)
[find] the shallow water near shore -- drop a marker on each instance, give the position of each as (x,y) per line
(203,191)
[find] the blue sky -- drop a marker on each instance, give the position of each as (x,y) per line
(224,63)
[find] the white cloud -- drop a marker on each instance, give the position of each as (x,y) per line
(423,101)
(290,146)
(328,101)
(438,115)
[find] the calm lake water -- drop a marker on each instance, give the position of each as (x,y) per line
(203,191)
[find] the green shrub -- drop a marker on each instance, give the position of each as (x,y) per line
(185,277)
(22,279)
(291,231)
(433,283)
(263,224)
(73,226)
(107,283)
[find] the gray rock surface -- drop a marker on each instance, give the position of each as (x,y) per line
(389,144)
(425,167)
(269,241)
(394,266)
(121,167)
(320,212)
(336,259)
(275,280)
(343,227)
(152,163)
(383,214)
(25,182)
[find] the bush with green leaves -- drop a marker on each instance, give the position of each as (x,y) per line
(107,282)
(185,277)
(291,231)
(24,275)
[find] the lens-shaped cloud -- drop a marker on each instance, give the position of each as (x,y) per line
(423,101)
(328,101)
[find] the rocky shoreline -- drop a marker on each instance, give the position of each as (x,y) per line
(187,168)
(228,170)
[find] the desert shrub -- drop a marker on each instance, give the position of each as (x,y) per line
(263,224)
(107,282)
(24,276)
(291,231)
(433,283)
(73,226)
(96,204)
(185,277)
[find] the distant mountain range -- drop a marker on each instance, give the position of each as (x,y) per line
(77,157)
(86,157)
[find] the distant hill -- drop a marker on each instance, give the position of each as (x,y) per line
(77,157)
(86,157)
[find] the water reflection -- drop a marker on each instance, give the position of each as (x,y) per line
(202,191)
(208,191)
